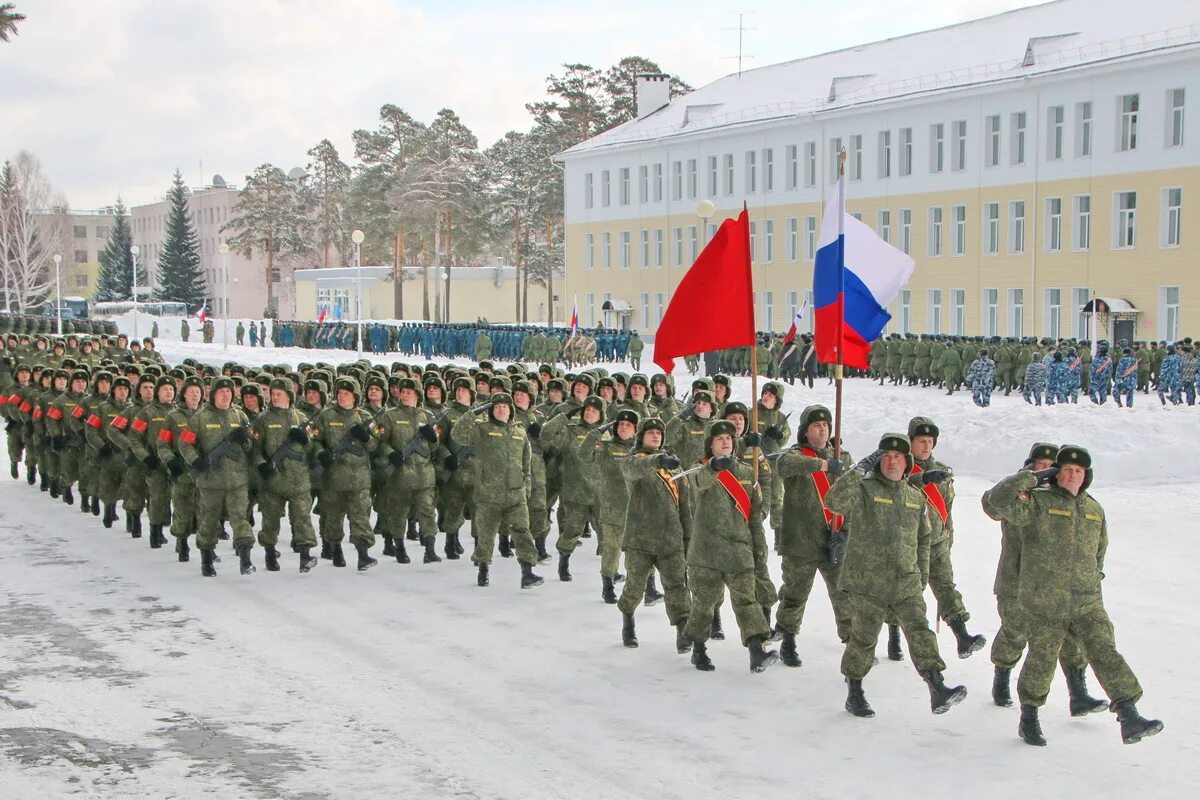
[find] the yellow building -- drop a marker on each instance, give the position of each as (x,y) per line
(1028,161)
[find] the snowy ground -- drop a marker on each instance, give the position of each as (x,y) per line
(125,674)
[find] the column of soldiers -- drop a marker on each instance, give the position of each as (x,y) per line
(685,489)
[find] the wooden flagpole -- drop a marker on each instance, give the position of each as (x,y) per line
(838,367)
(753,346)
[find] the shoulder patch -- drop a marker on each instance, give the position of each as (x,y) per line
(1060,512)
(887,501)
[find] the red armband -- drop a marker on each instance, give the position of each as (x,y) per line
(187,436)
(37,413)
(55,413)
(120,422)
(165,436)
(14,399)
(3,399)
(139,425)
(78,412)
(25,407)
(94,422)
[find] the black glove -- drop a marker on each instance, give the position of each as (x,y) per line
(105,450)
(325,459)
(200,465)
(239,436)
(934,476)
(151,461)
(837,548)
(774,432)
(175,466)
(10,424)
(396,459)
(428,433)
(1045,477)
(465,452)
(451,463)
(298,435)
(752,439)
(266,470)
(574,411)
(534,430)
(870,462)
(359,433)
(668,461)
(721,463)
(58,442)
(834,467)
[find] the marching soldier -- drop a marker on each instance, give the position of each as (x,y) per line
(183,486)
(407,438)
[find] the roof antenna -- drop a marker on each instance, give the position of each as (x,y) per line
(741,29)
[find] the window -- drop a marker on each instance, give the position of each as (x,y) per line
(753,241)
(906,310)
(793,305)
(1018,138)
(605,189)
(768,243)
(937,147)
(768,166)
(624,190)
(1016,226)
(607,247)
(885,154)
(658,247)
(658,308)
(1175,118)
(1172,216)
(810,164)
(1126,220)
(80,231)
(336,300)
(935,232)
(960,230)
(643,184)
(81,280)
(792,167)
(658,180)
(693,237)
(1016,312)
(835,151)
(991,155)
(1127,134)
(1079,298)
(677,239)
(589,250)
(854,159)
(587,190)
(1083,130)
(991,304)
(751,171)
(958,159)
(885,225)
(81,257)
(1083,221)
(1054,224)
(991,229)
(906,230)
(102,232)
(712,176)
(676,180)
(934,321)
(793,238)
(958,299)
(1054,135)
(729,173)
(810,238)
(691,181)
(645,247)
(589,302)
(1053,312)
(645,311)
(906,144)
(1169,313)
(769,310)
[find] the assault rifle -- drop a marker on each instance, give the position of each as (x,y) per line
(227,448)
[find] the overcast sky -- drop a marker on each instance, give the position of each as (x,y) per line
(114,96)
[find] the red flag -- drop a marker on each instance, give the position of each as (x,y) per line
(713,306)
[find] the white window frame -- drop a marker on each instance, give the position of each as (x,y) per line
(885,154)
(643,183)
(588,196)
(1018,123)
(658,182)
(644,247)
(768,169)
(1125,220)
(884,225)
(1055,127)
(1016,226)
(606,249)
(624,188)
(1016,312)
(692,178)
(792,166)
(991,141)
(1176,105)
(906,152)
(728,174)
(1168,313)
(991,229)
(933,320)
(714,175)
(958,310)
(768,242)
(1054,224)
(990,300)
(1128,108)
(677,246)
(1083,129)
(960,231)
(958,158)
(751,171)
(936,222)
(1172,205)
(658,247)
(1081,226)
(854,158)
(589,251)
(810,238)
(810,164)
(793,238)
(1052,324)
(905,242)
(937,147)
(676,180)
(606,188)
(906,310)
(835,149)
(626,254)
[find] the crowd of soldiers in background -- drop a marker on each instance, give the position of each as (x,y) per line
(48,326)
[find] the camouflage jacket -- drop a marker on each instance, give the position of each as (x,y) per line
(805,532)
(268,434)
(658,517)
(722,538)
(205,432)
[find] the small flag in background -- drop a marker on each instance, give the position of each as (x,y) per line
(575,317)
(202,314)
(792,331)
(324,313)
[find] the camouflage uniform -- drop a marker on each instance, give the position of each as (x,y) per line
(280,440)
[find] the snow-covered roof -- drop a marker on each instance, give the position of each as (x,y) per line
(1009,46)
(1109,305)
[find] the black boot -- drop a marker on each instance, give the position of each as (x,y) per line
(365,562)
(45,482)
(894,651)
(564,567)
(628,634)
(1029,729)
(410,532)
(967,643)
(95,506)
(1001,694)
(335,551)
(307,560)
(607,593)
(206,564)
(400,552)
(68,496)
(653,596)
(715,631)
(482,579)
(700,659)
(787,650)
(542,556)
(54,488)
(529,577)
(85,504)
(244,563)
(1082,703)
(15,470)
(431,556)
(1135,727)
(682,643)
(182,550)
(136,523)
(760,659)
(110,516)
(856,701)
(388,548)
(31,475)
(451,548)
(505,546)
(326,550)
(155,535)
(458,542)
(941,697)
(272,558)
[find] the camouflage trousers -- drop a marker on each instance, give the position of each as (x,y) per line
(639,566)
(707,587)
(108,485)
(1094,631)
(158,496)
(68,466)
(867,615)
(1010,641)
(799,574)
(299,511)
(539,511)
(133,489)
(183,509)
(611,534)
(941,581)
(397,504)
(215,505)
(353,505)
(487,521)
(89,473)
(574,517)
(16,444)
(453,499)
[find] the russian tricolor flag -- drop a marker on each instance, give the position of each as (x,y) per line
(857,274)
(202,314)
(575,317)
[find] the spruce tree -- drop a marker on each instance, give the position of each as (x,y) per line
(116,262)
(179,275)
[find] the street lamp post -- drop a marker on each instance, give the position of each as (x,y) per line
(357,237)
(133,290)
(223,249)
(58,289)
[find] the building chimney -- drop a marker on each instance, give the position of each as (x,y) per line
(652,92)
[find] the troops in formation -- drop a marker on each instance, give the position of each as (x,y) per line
(698,491)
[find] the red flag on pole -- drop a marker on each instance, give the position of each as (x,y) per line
(713,306)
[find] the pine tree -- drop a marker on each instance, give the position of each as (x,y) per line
(116,262)
(269,218)
(179,275)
